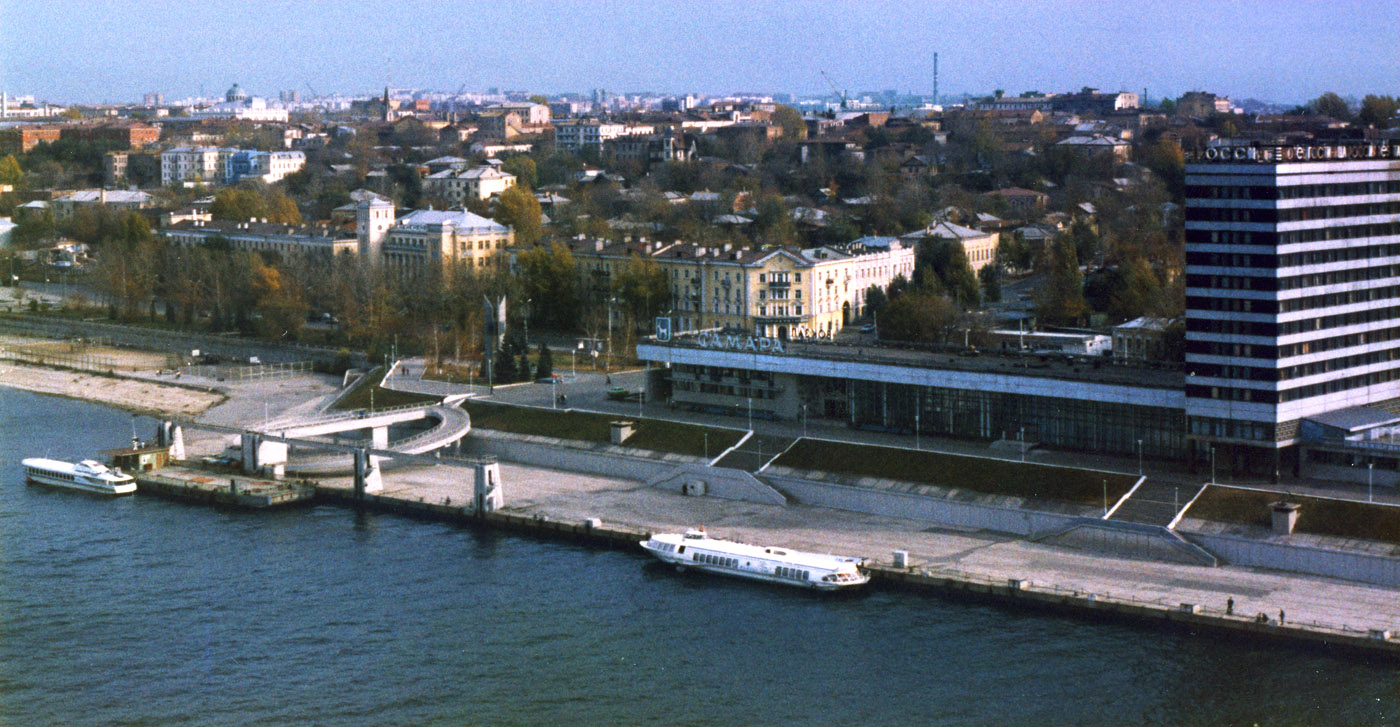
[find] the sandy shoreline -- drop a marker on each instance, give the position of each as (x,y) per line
(131,394)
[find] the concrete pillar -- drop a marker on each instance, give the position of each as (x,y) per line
(169,434)
(250,452)
(488,494)
(620,431)
(380,437)
(1285,517)
(177,443)
(271,458)
(367,477)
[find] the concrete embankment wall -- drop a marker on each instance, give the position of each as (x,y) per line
(1361,567)
(600,534)
(1019,593)
(951,513)
(668,472)
(1184,616)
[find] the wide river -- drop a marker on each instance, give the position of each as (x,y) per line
(139,611)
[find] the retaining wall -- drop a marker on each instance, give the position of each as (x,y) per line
(953,513)
(1362,567)
(723,482)
(666,471)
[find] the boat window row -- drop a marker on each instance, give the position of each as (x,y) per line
(795,574)
(35,471)
(717,560)
(666,547)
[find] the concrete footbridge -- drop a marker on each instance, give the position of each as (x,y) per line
(452,424)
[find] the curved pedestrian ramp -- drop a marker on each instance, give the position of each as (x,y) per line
(1137,541)
(452,423)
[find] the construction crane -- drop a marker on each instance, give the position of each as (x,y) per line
(840,94)
(312,90)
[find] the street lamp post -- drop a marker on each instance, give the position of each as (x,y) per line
(1023,444)
(804,421)
(1212,464)
(606,361)
(1139,458)
(916,429)
(1370,470)
(554,391)
(750,413)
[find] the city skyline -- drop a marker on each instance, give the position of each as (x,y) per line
(115,51)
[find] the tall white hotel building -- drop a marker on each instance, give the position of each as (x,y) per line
(1293,293)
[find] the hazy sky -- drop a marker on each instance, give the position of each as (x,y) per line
(1282,50)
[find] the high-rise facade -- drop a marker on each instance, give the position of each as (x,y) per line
(1292,292)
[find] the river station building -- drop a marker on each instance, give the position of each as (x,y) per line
(1292,341)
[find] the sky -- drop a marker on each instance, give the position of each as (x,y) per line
(1285,51)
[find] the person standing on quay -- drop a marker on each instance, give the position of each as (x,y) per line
(1230,606)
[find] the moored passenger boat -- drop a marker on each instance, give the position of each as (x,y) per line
(88,475)
(695,549)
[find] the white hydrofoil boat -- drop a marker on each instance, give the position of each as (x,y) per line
(87,475)
(697,550)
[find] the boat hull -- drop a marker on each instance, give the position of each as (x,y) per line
(125,488)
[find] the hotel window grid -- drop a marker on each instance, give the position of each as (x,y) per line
(1283,263)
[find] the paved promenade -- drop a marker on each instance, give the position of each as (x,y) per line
(993,558)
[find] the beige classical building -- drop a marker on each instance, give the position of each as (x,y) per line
(260,236)
(459,186)
(780,293)
(980,247)
(450,238)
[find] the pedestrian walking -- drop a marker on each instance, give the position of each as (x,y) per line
(1280,617)
(1230,606)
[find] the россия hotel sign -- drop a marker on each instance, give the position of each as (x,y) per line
(1275,153)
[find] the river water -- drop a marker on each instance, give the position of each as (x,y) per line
(139,611)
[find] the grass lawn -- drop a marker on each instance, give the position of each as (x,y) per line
(653,434)
(1317,516)
(995,477)
(359,395)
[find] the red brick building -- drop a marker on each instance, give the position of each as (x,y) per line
(130,135)
(21,139)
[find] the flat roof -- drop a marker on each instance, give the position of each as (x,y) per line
(1071,367)
(1355,418)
